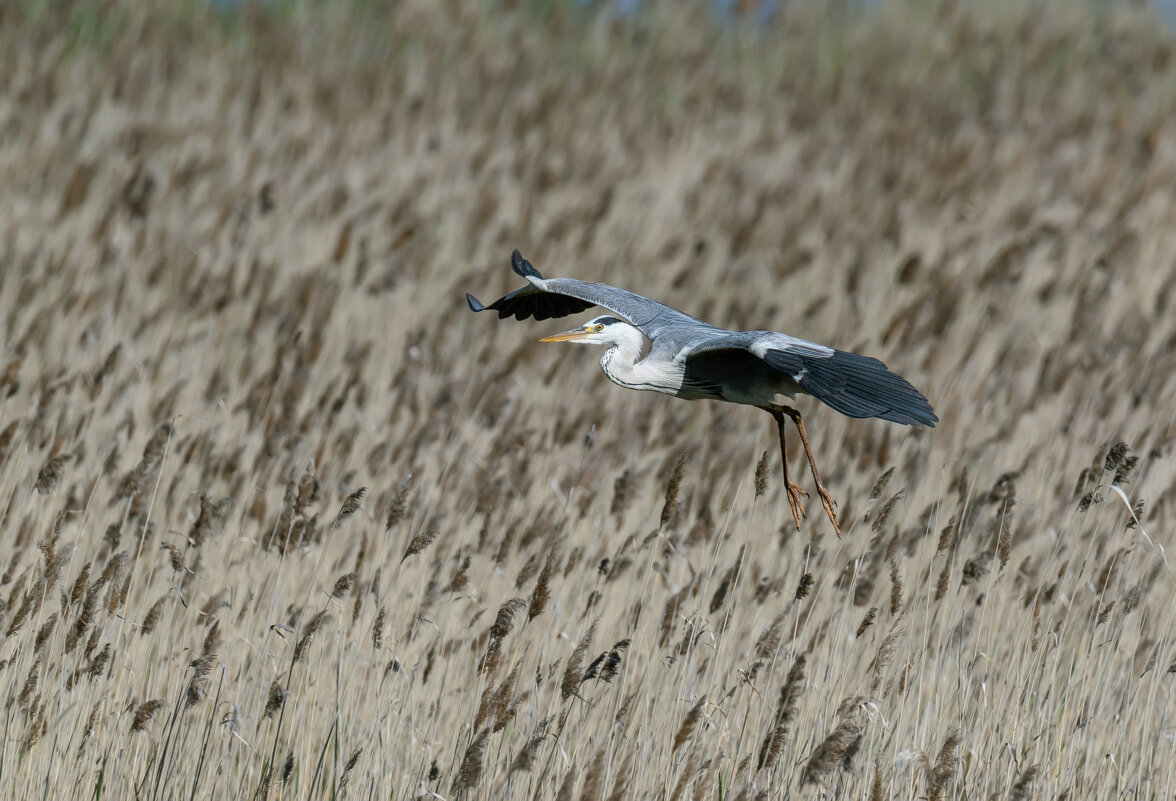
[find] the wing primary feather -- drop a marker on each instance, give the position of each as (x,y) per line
(475,304)
(856,386)
(522,266)
(558,297)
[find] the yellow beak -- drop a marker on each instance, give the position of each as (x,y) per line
(575,333)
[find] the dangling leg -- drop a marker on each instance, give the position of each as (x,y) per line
(794,491)
(826,499)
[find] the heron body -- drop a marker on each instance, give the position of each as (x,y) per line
(729,374)
(691,359)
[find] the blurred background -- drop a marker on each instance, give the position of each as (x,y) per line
(281,518)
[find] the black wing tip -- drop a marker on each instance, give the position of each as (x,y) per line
(475,304)
(916,415)
(522,266)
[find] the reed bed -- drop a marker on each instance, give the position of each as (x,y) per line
(281,519)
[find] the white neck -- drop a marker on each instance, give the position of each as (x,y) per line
(623,365)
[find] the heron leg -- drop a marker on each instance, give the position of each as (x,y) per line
(792,488)
(826,499)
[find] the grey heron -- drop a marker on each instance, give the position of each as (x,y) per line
(690,359)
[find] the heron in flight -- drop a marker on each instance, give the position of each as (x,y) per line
(690,359)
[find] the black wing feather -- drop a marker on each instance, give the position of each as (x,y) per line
(856,386)
(559,297)
(522,266)
(532,302)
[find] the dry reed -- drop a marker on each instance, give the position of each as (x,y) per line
(233,251)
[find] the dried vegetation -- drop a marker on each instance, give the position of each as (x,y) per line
(281,519)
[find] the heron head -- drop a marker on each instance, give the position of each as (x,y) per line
(605,330)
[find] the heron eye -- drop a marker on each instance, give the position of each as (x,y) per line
(599,326)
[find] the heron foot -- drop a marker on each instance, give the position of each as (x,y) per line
(830,507)
(791,487)
(826,499)
(794,494)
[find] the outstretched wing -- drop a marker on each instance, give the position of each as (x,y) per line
(544,298)
(856,386)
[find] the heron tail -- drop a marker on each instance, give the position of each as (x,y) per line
(860,386)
